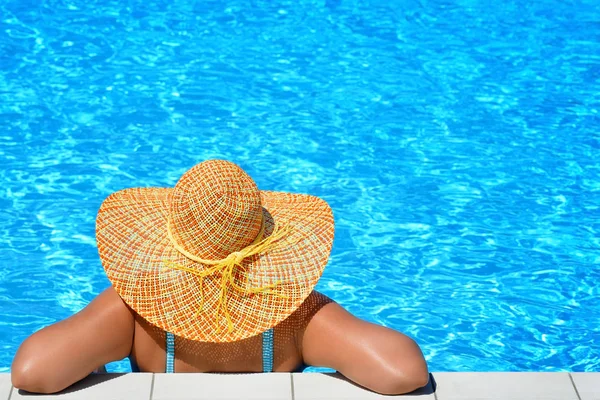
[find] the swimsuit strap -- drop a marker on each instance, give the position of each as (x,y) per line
(267,351)
(170,368)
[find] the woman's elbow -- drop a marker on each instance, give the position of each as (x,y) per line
(403,374)
(33,383)
(27,375)
(401,382)
(22,377)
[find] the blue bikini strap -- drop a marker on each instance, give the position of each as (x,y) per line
(267,339)
(170,368)
(267,342)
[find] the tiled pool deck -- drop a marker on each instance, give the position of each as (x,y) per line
(313,386)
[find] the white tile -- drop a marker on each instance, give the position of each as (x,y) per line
(504,386)
(273,386)
(313,386)
(588,385)
(5,386)
(101,387)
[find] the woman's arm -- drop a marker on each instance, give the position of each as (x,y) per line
(63,353)
(373,356)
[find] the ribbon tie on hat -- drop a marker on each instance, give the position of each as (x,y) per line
(227,268)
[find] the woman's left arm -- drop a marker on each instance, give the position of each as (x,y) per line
(63,353)
(378,358)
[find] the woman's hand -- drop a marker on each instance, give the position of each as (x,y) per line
(100,370)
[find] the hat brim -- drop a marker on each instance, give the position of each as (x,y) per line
(134,248)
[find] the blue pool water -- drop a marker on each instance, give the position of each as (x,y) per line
(457,142)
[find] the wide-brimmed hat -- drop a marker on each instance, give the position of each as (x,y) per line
(214,258)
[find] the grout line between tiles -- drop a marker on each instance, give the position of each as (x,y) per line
(292,386)
(10,393)
(574,386)
(152,387)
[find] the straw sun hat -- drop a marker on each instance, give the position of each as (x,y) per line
(214,259)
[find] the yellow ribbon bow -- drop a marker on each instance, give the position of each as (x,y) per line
(227,266)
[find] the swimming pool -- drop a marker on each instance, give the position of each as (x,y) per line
(456,142)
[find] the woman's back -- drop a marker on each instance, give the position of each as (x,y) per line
(149,346)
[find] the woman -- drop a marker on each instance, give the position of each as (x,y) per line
(215,275)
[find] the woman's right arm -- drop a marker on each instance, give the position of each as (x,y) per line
(61,354)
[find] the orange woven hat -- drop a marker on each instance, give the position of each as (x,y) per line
(214,259)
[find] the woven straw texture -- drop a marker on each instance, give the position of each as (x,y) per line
(214,210)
